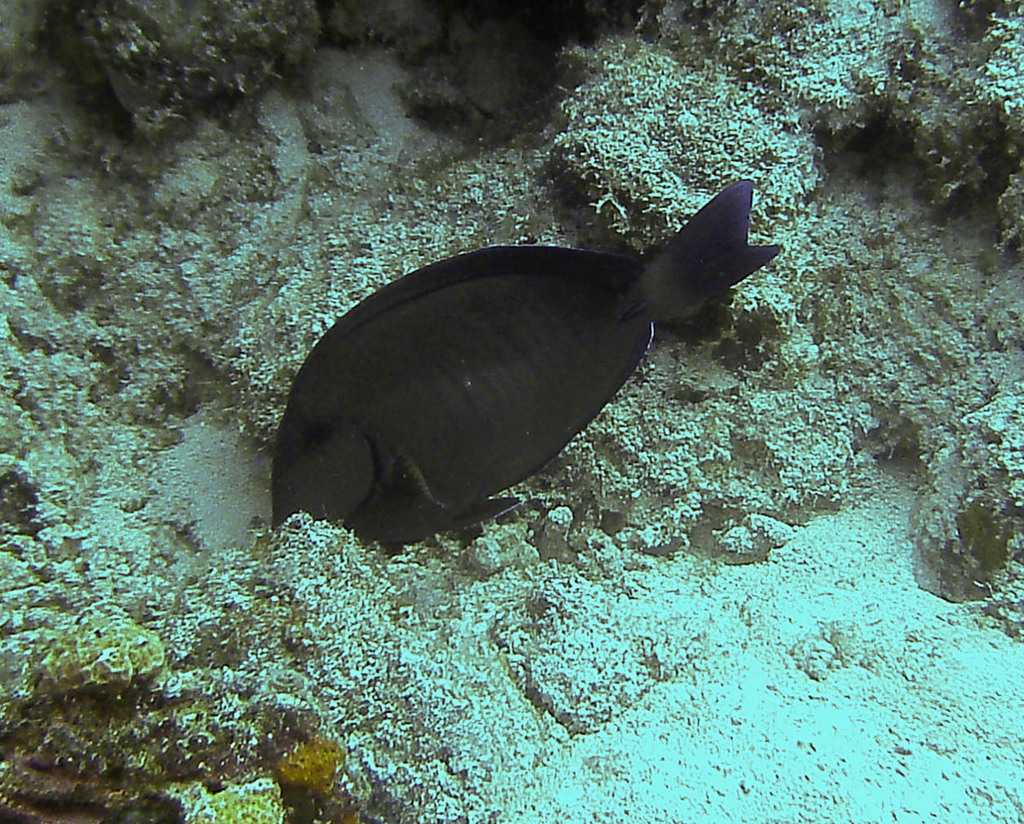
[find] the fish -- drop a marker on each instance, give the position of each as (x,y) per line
(453,383)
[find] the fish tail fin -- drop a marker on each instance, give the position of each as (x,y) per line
(707,257)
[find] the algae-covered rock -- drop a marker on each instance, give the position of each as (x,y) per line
(969,524)
(312,765)
(164,59)
(985,537)
(926,81)
(648,139)
(103,651)
(21,70)
(1000,425)
(1011,212)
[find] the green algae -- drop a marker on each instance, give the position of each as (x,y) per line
(986,536)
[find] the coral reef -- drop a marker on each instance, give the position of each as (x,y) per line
(648,140)
(159,295)
(925,82)
(164,61)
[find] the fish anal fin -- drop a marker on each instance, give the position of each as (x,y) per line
(484,511)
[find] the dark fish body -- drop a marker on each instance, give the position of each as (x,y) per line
(459,380)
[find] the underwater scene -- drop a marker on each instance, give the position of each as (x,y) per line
(431,411)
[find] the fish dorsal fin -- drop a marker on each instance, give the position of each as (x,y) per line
(617,271)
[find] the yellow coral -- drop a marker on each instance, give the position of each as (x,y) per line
(311,765)
(257,802)
(104,650)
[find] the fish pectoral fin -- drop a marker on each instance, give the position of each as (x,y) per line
(404,478)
